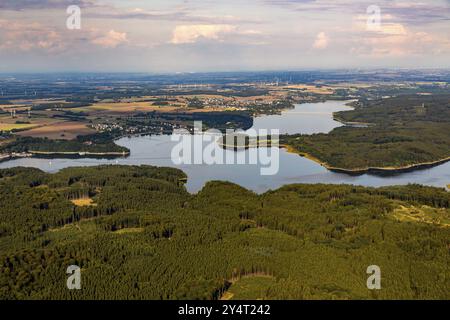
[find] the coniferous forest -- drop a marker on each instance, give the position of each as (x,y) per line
(136,233)
(391,133)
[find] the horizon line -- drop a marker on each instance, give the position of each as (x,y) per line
(230,71)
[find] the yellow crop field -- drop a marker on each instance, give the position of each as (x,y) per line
(16,126)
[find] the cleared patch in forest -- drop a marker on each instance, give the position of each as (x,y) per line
(423,214)
(251,287)
(83,202)
(129,230)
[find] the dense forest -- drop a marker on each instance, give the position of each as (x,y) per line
(96,143)
(399,132)
(211,120)
(137,233)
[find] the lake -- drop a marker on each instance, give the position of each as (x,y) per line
(305,118)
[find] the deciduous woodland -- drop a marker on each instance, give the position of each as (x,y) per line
(138,234)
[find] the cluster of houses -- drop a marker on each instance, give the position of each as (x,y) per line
(156,128)
(233,103)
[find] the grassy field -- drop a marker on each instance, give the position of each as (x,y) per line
(21,122)
(16,126)
(249,288)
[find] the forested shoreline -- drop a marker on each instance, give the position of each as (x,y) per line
(405,133)
(141,235)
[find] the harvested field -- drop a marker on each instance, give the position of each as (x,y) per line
(65,130)
(311,88)
(124,107)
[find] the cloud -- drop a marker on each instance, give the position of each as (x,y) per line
(406,11)
(321,41)
(393,39)
(36,37)
(404,44)
(192,33)
(392,29)
(385,26)
(18,36)
(110,40)
(19,5)
(410,29)
(419,12)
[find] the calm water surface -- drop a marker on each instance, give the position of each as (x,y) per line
(305,118)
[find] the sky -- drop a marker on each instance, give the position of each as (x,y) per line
(165,36)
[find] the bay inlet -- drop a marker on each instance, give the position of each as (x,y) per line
(305,118)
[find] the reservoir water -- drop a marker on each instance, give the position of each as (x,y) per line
(304,118)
